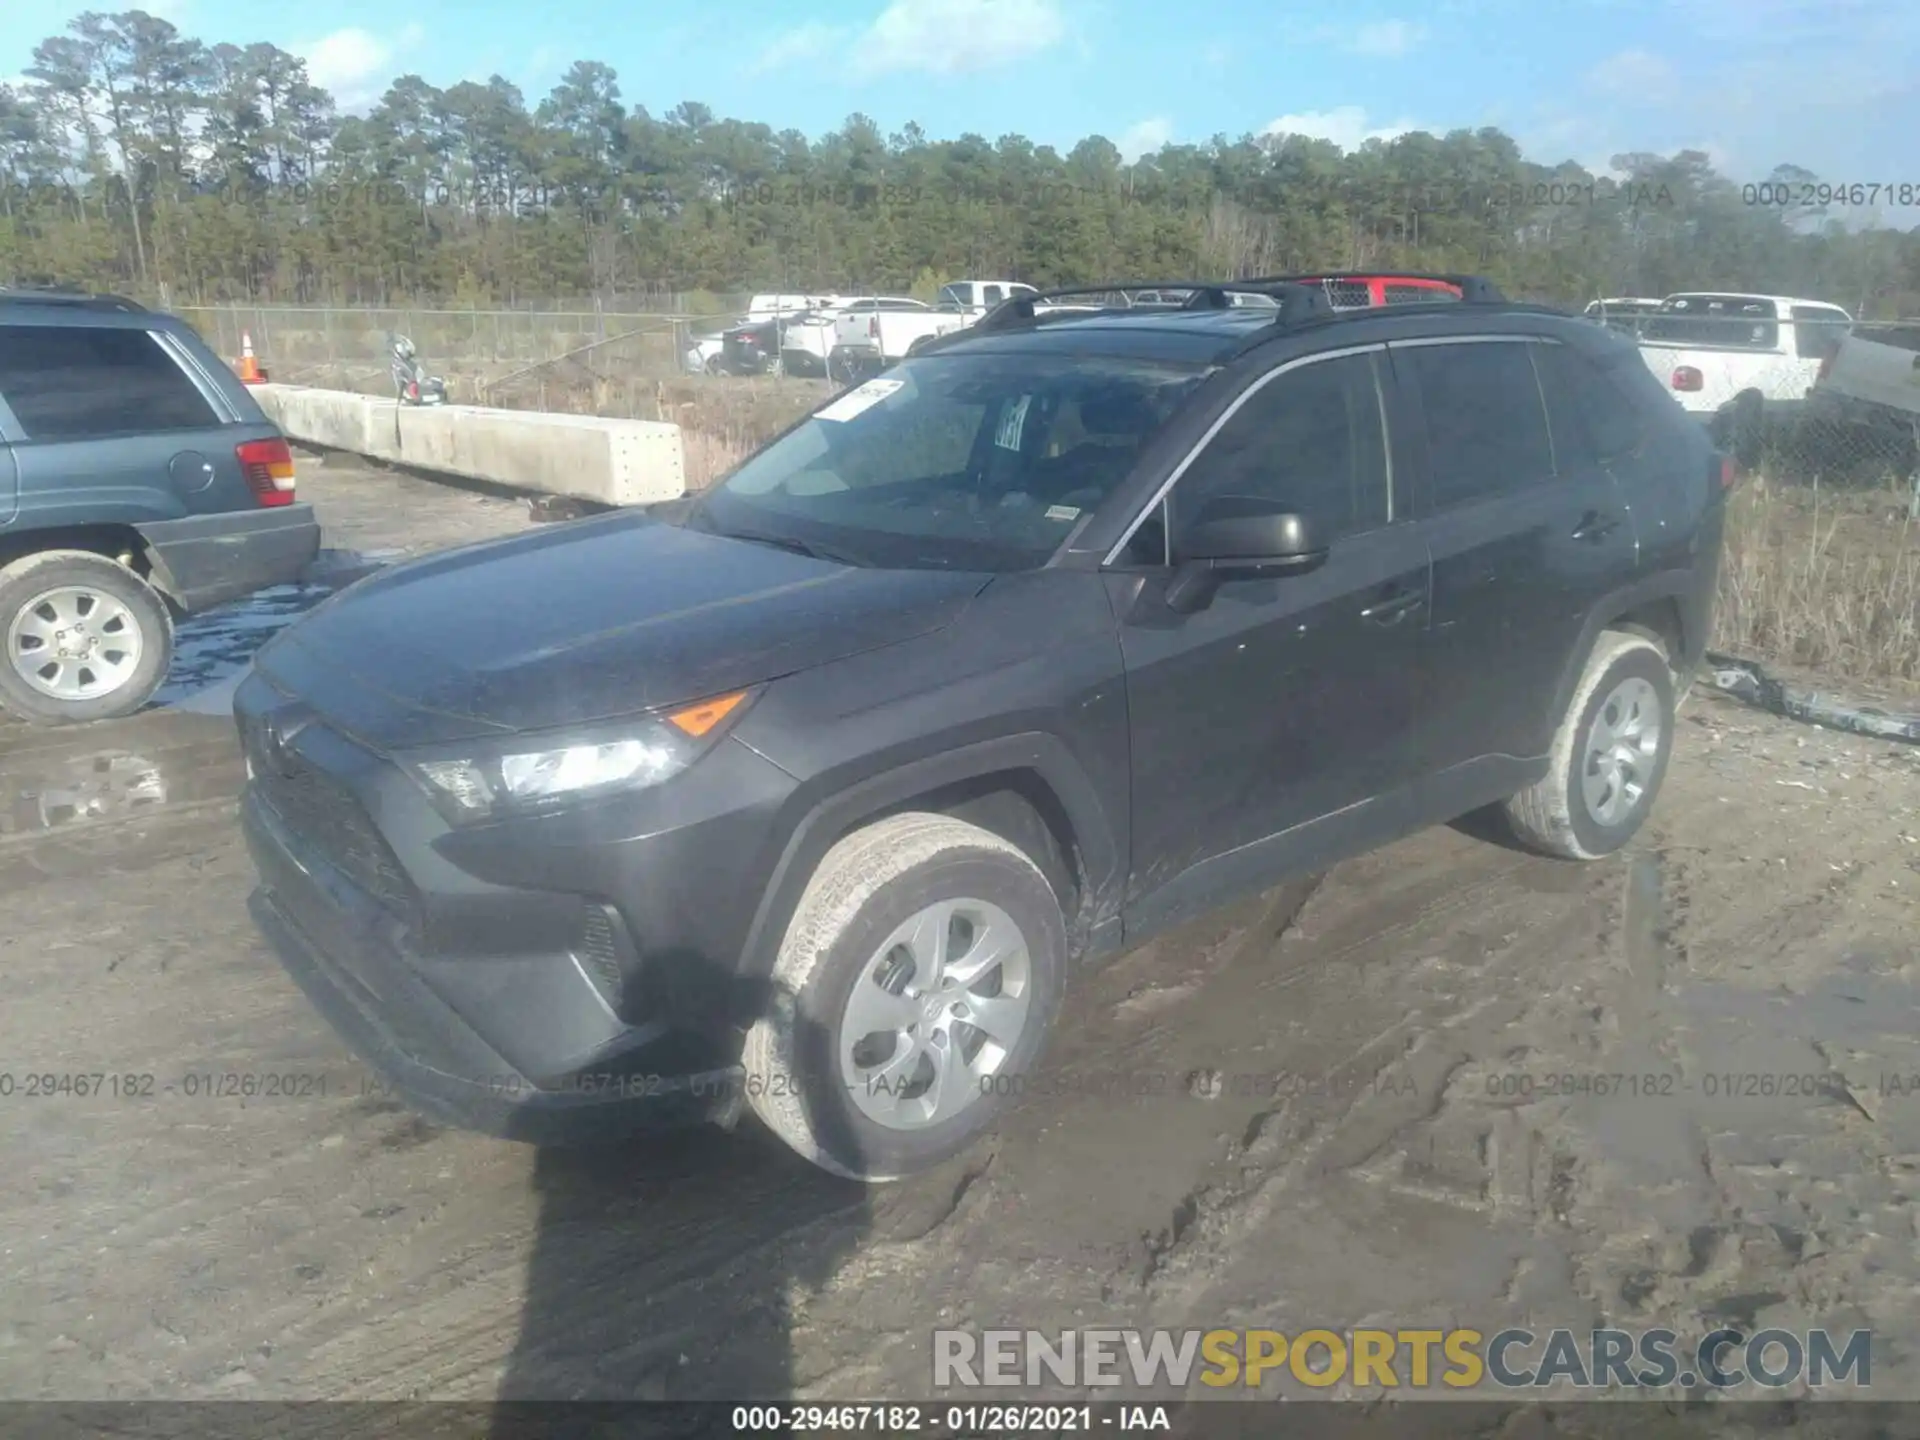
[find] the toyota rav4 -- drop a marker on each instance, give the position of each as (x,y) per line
(809,794)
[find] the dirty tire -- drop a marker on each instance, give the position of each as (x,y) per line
(1551,816)
(866,885)
(32,576)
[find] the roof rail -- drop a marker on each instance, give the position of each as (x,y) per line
(76,299)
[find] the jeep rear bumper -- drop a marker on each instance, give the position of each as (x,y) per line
(206,560)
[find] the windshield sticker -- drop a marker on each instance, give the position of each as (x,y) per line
(859,400)
(1062,512)
(1011,424)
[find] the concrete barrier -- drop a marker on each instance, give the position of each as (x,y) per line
(591,457)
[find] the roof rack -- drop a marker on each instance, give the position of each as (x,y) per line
(76,299)
(1299,297)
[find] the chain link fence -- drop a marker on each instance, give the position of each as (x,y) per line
(347,346)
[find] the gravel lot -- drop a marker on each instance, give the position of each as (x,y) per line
(1338,1105)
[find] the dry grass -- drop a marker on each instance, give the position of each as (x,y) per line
(1822,579)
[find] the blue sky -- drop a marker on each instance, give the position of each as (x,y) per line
(1833,85)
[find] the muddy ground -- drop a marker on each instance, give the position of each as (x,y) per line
(1331,1113)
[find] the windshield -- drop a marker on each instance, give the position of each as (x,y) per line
(978,461)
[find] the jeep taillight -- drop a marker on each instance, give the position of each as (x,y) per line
(1729,472)
(1689,379)
(873,328)
(268,466)
(1826,369)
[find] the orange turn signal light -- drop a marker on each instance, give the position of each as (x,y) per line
(696,720)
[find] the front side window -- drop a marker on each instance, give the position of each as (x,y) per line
(1310,441)
(76,382)
(1486,421)
(969,461)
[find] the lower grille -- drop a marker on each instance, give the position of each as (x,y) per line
(324,814)
(599,955)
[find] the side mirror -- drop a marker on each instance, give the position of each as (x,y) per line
(1236,538)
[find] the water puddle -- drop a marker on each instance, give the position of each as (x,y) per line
(212,651)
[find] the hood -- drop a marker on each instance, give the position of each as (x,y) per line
(589,621)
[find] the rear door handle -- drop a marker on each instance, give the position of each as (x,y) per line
(1595,526)
(1393,607)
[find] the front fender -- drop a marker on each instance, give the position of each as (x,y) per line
(1034,753)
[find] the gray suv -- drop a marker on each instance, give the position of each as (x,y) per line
(139,482)
(812,792)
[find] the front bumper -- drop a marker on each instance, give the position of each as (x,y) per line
(345,955)
(206,560)
(540,979)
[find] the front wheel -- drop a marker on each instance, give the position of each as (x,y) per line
(914,989)
(84,638)
(1609,755)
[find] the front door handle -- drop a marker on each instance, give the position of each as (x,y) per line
(1595,526)
(1395,606)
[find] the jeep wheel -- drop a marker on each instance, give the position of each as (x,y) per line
(84,638)
(916,983)
(1609,754)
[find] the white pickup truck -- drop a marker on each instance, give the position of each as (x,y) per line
(1709,348)
(871,333)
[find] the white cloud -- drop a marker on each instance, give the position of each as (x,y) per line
(1387,38)
(1146,138)
(798,45)
(1346,126)
(931,37)
(355,65)
(951,37)
(1633,75)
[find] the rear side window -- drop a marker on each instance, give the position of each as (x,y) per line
(1486,422)
(80,383)
(1590,412)
(1311,440)
(1818,331)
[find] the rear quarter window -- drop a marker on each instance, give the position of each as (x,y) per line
(82,383)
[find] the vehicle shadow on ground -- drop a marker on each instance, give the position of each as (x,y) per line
(673,1267)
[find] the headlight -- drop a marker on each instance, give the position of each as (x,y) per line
(530,773)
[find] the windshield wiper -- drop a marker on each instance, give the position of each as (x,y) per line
(794,546)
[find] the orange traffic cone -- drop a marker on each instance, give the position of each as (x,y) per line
(250,371)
